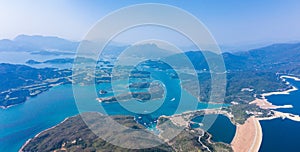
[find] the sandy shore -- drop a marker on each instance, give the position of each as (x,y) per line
(290,77)
(3,107)
(265,104)
(282,115)
(184,118)
(248,136)
(282,92)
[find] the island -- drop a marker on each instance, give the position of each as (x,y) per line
(19,82)
(251,76)
(74,135)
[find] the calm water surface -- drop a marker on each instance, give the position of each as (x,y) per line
(21,122)
(282,135)
(222,129)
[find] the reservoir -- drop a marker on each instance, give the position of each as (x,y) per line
(222,130)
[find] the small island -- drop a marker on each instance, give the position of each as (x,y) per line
(74,135)
(19,82)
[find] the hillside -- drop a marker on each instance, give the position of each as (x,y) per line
(18,82)
(73,135)
(38,43)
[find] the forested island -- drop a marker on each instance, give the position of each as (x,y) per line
(249,75)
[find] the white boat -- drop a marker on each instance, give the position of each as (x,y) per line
(99,99)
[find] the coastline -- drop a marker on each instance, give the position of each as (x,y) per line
(290,77)
(3,107)
(282,92)
(281,115)
(246,132)
(265,104)
(257,133)
(51,86)
(23,146)
(286,91)
(179,118)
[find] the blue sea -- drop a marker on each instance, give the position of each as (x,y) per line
(282,135)
(24,121)
(292,99)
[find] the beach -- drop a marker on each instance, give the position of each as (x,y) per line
(250,130)
(183,118)
(282,115)
(265,104)
(282,92)
(290,77)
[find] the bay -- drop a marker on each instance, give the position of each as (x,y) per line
(21,122)
(282,135)
(222,130)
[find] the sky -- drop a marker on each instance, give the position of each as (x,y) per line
(231,22)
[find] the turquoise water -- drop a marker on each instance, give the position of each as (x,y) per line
(282,135)
(21,122)
(222,129)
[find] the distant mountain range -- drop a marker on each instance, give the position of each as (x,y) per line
(255,69)
(283,57)
(38,43)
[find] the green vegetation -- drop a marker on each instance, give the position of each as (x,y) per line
(248,74)
(18,82)
(242,112)
(73,135)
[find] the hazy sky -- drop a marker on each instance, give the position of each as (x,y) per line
(230,21)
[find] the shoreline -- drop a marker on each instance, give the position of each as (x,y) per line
(265,104)
(23,146)
(177,118)
(241,130)
(27,98)
(286,91)
(290,77)
(253,123)
(282,115)
(3,107)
